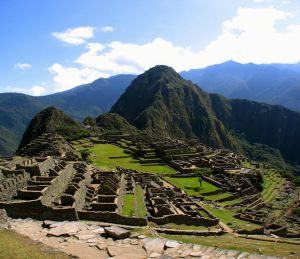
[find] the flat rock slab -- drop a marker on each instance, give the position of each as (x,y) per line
(129,252)
(172,244)
(65,229)
(98,230)
(154,255)
(117,232)
(156,245)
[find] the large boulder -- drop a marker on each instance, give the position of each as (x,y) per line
(117,232)
(154,245)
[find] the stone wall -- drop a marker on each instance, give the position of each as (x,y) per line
(58,185)
(111,217)
(184,219)
(36,210)
(212,181)
(38,168)
(9,186)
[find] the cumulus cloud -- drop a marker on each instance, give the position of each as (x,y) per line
(258,40)
(22,66)
(75,36)
(250,36)
(68,77)
(107,29)
(35,90)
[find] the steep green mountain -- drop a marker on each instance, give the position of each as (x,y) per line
(16,110)
(113,122)
(160,101)
(270,83)
(272,125)
(53,120)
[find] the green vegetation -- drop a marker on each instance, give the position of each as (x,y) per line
(85,153)
(272,182)
(228,218)
(192,186)
(164,97)
(110,156)
(114,123)
(219,196)
(15,246)
(185,227)
(140,210)
(128,205)
(53,120)
(242,244)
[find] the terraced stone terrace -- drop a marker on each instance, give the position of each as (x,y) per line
(108,157)
(163,184)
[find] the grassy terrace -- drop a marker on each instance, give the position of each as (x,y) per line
(192,186)
(227,217)
(242,244)
(128,206)
(271,185)
(15,246)
(110,156)
(140,210)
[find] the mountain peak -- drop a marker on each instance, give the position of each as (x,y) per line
(161,72)
(52,120)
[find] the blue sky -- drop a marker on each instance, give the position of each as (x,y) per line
(53,45)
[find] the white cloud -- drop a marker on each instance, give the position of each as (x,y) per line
(68,77)
(22,66)
(250,36)
(107,29)
(75,36)
(248,39)
(261,1)
(118,57)
(35,90)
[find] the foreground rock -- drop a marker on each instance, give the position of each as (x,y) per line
(154,245)
(65,228)
(127,252)
(86,242)
(117,232)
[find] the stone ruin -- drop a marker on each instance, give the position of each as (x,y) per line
(48,144)
(52,188)
(58,188)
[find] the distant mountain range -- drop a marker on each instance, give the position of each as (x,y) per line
(16,110)
(274,83)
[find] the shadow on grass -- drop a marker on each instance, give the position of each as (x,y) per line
(195,189)
(117,157)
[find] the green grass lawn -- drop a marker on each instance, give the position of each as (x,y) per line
(218,196)
(227,217)
(241,244)
(233,202)
(191,185)
(15,246)
(128,205)
(185,227)
(105,154)
(140,210)
(271,185)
